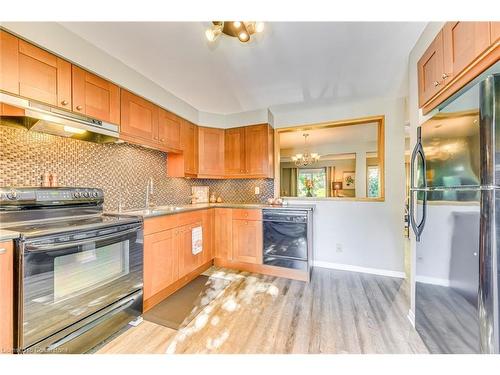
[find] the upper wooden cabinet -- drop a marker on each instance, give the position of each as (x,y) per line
(6,297)
(430,70)
(9,62)
(211,152)
(169,129)
(234,152)
(462,43)
(189,145)
(139,119)
(459,53)
(259,152)
(95,97)
(44,77)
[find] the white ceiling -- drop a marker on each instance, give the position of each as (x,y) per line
(346,135)
(290,62)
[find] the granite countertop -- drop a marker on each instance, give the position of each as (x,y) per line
(171,210)
(6,234)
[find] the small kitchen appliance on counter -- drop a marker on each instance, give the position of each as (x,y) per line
(78,272)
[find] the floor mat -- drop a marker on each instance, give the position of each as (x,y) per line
(182,307)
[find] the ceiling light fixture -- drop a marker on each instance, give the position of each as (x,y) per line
(307,158)
(238,29)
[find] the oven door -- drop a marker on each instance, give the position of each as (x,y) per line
(65,278)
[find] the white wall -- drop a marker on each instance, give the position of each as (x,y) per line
(370,233)
(416,117)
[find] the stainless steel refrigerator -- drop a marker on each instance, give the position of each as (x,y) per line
(455,216)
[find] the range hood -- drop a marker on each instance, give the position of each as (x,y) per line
(38,117)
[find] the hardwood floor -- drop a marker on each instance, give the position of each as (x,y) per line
(337,312)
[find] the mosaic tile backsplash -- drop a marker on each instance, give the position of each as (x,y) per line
(116,168)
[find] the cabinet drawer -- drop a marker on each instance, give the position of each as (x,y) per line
(190,217)
(247,214)
(158,224)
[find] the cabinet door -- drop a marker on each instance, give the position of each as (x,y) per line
(494,32)
(188,262)
(208,235)
(6,297)
(189,145)
(43,76)
(139,118)
(9,62)
(223,233)
(247,241)
(463,42)
(211,151)
(430,70)
(258,150)
(169,129)
(161,261)
(95,97)
(234,151)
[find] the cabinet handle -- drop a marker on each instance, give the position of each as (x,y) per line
(64,102)
(3,250)
(436,83)
(444,76)
(79,107)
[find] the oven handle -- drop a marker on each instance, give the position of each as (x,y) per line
(52,247)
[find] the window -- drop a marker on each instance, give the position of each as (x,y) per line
(373,182)
(311,182)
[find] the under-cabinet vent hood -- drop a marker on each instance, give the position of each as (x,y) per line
(38,117)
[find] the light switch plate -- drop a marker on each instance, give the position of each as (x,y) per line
(257,190)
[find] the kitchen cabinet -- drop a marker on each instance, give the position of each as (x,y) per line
(495,32)
(430,70)
(247,241)
(185,164)
(463,42)
(6,297)
(234,152)
(223,233)
(161,261)
(43,76)
(95,97)
(259,152)
(211,152)
(9,62)
(169,129)
(139,120)
(459,53)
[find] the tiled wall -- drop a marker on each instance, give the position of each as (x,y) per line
(26,155)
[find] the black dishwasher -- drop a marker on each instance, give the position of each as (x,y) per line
(286,238)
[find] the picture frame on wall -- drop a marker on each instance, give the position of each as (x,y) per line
(349,180)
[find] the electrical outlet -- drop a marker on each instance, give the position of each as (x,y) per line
(338,248)
(257,190)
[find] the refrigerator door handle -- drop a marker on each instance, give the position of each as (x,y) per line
(418,228)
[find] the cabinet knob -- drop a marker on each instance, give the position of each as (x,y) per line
(444,76)
(163,140)
(64,102)
(79,107)
(436,83)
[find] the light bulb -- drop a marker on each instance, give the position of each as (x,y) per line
(243,36)
(259,27)
(237,24)
(210,34)
(70,129)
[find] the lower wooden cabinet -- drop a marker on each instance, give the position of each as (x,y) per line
(188,261)
(223,233)
(6,297)
(161,261)
(247,241)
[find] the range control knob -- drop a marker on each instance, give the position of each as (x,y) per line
(12,195)
(94,194)
(77,194)
(86,194)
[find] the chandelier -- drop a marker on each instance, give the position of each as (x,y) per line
(238,29)
(307,158)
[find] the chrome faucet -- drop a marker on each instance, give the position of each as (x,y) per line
(149,193)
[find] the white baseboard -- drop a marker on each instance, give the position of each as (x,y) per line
(433,281)
(348,267)
(411,317)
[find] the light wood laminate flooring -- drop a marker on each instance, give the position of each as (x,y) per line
(337,312)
